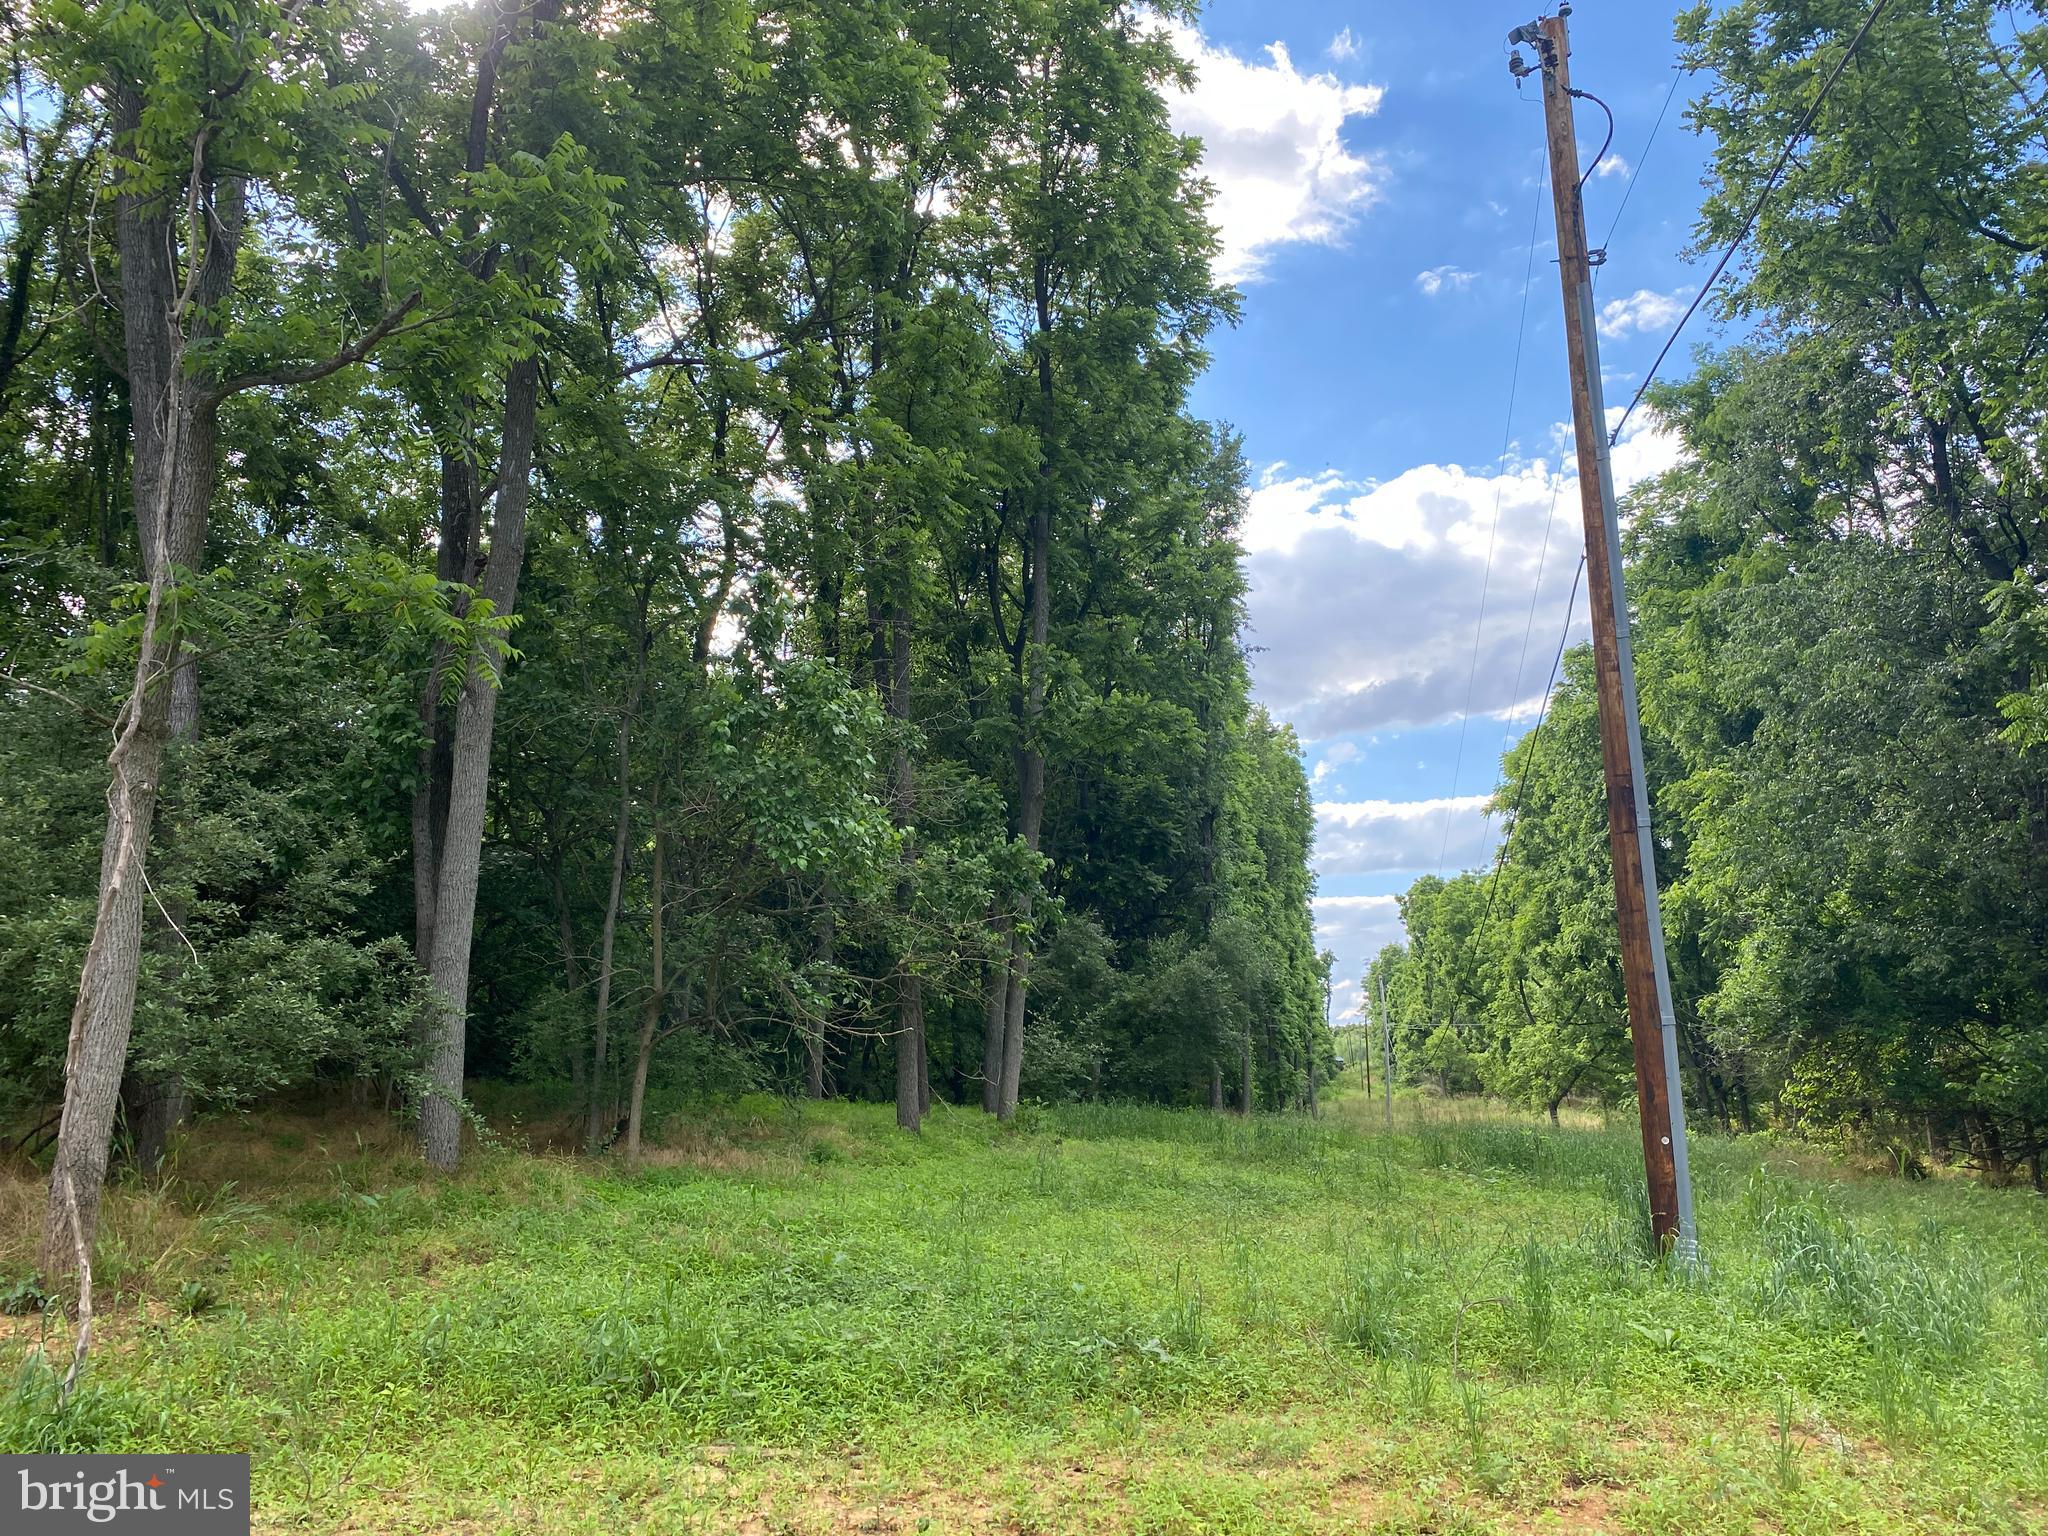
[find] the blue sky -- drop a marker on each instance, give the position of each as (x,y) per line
(1378,176)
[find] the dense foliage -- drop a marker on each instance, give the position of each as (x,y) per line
(708,487)
(1839,623)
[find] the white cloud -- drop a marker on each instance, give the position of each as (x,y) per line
(1273,145)
(1644,452)
(1338,754)
(1613,165)
(1405,837)
(1343,46)
(1643,310)
(1437,279)
(1354,929)
(1365,596)
(1334,904)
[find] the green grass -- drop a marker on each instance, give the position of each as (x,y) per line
(1106,1319)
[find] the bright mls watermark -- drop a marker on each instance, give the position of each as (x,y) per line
(160,1495)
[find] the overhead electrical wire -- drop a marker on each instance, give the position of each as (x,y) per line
(1628,190)
(1493,534)
(1529,624)
(1720,267)
(1755,210)
(1749,222)
(1635,171)
(1571,604)
(1605,144)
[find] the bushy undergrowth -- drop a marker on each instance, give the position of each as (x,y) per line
(812,1279)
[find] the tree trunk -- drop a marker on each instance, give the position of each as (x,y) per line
(1314,1111)
(1216,1087)
(1244,1096)
(1988,1148)
(572,965)
(1031,749)
(105,1010)
(174,469)
(1012,1073)
(814,1065)
(462,850)
(912,1090)
(600,1048)
(997,1016)
(454,563)
(457,561)
(814,1039)
(156,1104)
(650,1013)
(909,1050)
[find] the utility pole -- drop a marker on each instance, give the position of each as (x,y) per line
(1314,1113)
(1652,1026)
(1365,1060)
(1386,1051)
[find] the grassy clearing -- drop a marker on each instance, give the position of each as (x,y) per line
(1108,1319)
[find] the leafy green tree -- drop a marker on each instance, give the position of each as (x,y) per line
(692,526)
(199,107)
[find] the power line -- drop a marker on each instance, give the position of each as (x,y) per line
(1628,191)
(1535,596)
(1543,556)
(1493,534)
(1756,208)
(1635,171)
(1571,604)
(1605,144)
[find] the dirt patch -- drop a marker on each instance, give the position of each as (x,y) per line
(1590,1508)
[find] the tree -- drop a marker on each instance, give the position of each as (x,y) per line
(1102,280)
(764,589)
(195,122)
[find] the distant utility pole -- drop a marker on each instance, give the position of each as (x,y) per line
(1314,1112)
(1365,1059)
(1652,1026)
(1386,1051)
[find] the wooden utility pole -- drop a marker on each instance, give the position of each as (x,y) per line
(1652,1026)
(1329,992)
(1365,1057)
(1386,1051)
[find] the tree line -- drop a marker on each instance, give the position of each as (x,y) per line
(1841,640)
(636,549)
